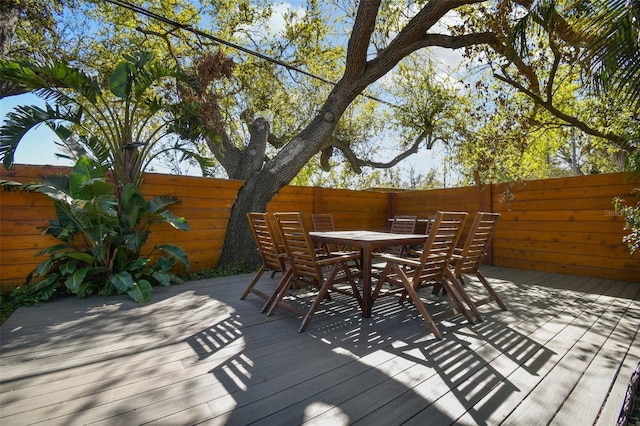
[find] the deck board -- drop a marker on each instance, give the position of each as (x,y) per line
(562,354)
(610,340)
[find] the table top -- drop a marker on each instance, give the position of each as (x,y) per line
(367,236)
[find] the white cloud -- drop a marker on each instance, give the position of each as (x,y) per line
(277,21)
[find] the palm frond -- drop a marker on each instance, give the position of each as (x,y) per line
(47,79)
(21,120)
(612,47)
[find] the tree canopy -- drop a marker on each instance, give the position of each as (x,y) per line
(328,88)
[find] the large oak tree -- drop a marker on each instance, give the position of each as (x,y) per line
(381,35)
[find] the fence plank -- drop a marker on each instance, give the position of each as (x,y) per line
(565,225)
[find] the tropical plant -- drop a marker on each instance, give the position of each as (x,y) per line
(611,33)
(123,126)
(120,128)
(100,240)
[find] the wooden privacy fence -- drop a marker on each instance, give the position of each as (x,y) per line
(563,225)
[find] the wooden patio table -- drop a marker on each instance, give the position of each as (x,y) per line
(368,241)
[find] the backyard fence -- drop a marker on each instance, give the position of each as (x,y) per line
(565,225)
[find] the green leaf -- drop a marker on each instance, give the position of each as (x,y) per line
(59,181)
(100,233)
(86,287)
(162,277)
(63,233)
(141,291)
(45,288)
(68,268)
(74,282)
(43,267)
(56,194)
(63,132)
(122,281)
(138,264)
(84,257)
(160,203)
(121,80)
(179,223)
(177,253)
(165,263)
(135,240)
(87,180)
(53,249)
(132,205)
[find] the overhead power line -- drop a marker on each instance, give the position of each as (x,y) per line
(189,28)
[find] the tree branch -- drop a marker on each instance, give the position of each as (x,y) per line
(357,163)
(358,46)
(554,68)
(476,39)
(574,121)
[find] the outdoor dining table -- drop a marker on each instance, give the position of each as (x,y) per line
(367,241)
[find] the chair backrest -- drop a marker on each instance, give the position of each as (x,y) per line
(271,253)
(322,222)
(404,224)
(298,245)
(438,249)
(477,242)
(429,224)
(401,225)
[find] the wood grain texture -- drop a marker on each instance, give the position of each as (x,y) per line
(196,353)
(565,225)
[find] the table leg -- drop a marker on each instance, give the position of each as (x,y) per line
(366,282)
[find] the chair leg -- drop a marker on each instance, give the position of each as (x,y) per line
(253,282)
(381,280)
(457,286)
(491,291)
(324,289)
(457,296)
(418,303)
(278,293)
(354,286)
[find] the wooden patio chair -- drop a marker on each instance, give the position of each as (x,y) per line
(323,222)
(429,224)
(322,272)
(410,274)
(401,224)
(468,259)
(272,254)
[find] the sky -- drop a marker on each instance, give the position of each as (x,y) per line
(38,146)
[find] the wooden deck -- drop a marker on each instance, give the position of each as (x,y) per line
(561,355)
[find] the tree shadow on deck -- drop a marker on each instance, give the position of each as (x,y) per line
(387,369)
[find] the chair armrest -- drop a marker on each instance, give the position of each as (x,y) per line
(336,259)
(408,261)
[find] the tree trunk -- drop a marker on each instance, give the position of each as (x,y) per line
(10,11)
(359,73)
(239,245)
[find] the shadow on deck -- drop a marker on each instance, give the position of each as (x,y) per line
(562,354)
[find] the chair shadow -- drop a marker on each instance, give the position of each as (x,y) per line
(387,368)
